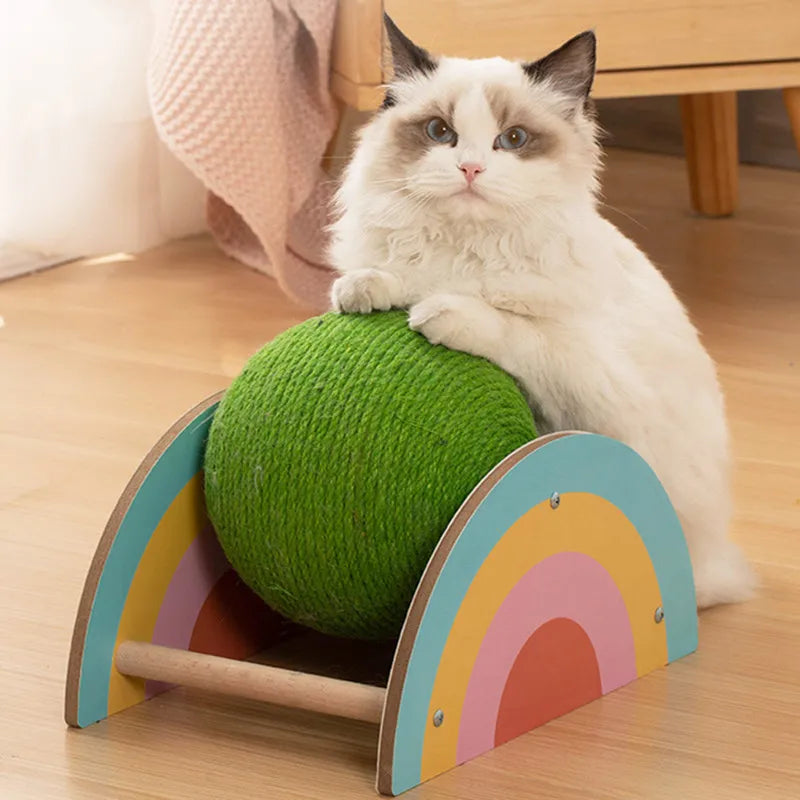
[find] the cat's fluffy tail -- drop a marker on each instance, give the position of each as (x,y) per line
(723,576)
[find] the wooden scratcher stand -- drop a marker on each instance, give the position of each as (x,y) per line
(564,576)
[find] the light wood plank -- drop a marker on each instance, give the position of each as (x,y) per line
(98,359)
(692,62)
(634,83)
(697,79)
(631,33)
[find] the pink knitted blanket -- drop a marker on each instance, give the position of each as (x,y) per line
(239,92)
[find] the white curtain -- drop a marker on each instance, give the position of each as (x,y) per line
(82,171)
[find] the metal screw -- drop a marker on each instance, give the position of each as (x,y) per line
(438,718)
(659,615)
(555,500)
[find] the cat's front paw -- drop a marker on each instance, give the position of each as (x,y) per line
(365,290)
(444,319)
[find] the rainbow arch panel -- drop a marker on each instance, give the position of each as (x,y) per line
(159,575)
(527,610)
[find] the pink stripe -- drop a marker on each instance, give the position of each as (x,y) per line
(201,566)
(570,585)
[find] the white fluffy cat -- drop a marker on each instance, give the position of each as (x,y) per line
(470,200)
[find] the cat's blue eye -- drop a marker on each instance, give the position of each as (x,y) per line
(438,130)
(511,139)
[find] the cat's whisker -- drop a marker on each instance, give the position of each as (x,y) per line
(400,209)
(402,184)
(624,214)
(419,200)
(382,182)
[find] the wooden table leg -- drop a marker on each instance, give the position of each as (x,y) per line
(791,99)
(711,141)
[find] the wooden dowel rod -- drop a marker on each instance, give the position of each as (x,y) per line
(254,681)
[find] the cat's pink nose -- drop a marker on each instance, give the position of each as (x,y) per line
(470,170)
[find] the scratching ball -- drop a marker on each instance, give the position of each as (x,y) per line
(337,458)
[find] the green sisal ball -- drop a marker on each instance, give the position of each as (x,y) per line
(337,458)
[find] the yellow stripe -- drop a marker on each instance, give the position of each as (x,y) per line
(178,528)
(584,523)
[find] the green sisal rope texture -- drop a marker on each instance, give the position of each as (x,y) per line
(337,458)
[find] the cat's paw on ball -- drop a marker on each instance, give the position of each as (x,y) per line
(443,319)
(363,291)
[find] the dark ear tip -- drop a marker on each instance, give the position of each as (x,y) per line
(407,57)
(587,40)
(587,37)
(571,67)
(391,28)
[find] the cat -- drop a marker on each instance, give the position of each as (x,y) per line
(471,201)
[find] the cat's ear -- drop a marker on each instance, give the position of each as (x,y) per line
(404,57)
(570,69)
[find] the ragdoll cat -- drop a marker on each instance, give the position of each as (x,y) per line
(471,201)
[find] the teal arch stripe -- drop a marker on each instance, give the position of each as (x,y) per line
(172,471)
(576,463)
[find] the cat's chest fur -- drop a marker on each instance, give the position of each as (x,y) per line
(467,259)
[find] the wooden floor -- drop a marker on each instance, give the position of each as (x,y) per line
(97,358)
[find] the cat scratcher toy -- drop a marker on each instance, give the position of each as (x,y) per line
(562,577)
